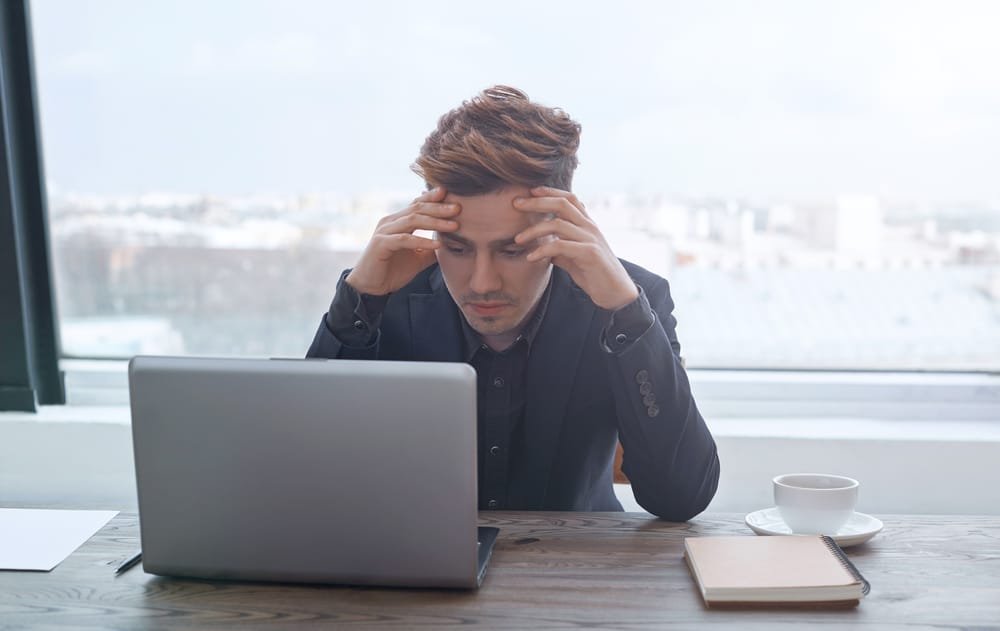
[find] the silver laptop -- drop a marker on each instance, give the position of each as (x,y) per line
(329,471)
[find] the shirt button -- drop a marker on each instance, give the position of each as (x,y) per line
(359,325)
(498,382)
(492,504)
(652,411)
(494,450)
(484,347)
(621,338)
(645,388)
(641,377)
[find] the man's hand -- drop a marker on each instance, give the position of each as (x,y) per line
(394,255)
(578,247)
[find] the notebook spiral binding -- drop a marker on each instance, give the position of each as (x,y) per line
(846,562)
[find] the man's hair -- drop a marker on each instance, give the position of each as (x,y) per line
(497,139)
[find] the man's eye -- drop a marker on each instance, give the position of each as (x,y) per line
(512,252)
(455,249)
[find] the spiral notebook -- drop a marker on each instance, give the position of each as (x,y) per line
(774,571)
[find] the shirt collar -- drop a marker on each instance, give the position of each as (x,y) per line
(473,342)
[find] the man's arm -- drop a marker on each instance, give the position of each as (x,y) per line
(669,455)
(350,329)
(392,257)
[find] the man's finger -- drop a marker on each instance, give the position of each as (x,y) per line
(558,248)
(548,191)
(435,209)
(419,204)
(558,227)
(418,221)
(436,194)
(559,206)
(397,242)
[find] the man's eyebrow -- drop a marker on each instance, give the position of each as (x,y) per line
(495,244)
(450,236)
(502,243)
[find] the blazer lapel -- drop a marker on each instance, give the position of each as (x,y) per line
(435,327)
(551,374)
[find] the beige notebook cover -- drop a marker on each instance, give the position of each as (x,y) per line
(792,570)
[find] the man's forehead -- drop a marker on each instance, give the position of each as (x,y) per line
(500,201)
(491,218)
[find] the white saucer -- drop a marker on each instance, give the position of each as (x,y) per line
(858,529)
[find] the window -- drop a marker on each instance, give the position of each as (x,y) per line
(815,179)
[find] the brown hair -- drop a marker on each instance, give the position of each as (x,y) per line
(496,139)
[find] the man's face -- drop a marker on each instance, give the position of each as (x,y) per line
(485,270)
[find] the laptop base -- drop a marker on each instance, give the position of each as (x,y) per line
(487,537)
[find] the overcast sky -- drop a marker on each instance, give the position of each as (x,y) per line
(787,98)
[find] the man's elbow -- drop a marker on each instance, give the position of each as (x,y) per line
(693,497)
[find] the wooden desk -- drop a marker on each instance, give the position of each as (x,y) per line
(594,570)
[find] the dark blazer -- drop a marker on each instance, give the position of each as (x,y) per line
(581,399)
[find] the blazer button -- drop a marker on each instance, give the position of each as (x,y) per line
(645,388)
(652,411)
(641,377)
(498,382)
(359,325)
(492,504)
(494,450)
(621,339)
(649,399)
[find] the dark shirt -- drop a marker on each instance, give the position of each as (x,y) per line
(355,318)
(501,399)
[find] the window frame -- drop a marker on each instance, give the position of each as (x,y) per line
(29,361)
(32,365)
(743,395)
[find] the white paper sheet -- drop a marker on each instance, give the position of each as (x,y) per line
(36,539)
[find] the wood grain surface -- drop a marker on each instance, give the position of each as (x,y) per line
(549,570)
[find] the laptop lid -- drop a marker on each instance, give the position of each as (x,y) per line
(341,471)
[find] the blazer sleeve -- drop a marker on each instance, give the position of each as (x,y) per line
(350,329)
(669,454)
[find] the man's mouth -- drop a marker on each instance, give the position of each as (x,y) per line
(487,308)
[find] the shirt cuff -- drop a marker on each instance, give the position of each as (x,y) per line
(354,318)
(628,324)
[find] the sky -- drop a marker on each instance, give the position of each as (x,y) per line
(786,98)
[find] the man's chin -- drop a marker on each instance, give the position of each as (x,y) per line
(488,325)
(484,326)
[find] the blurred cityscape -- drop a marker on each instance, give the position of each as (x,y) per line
(855,282)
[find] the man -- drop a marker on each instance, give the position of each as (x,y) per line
(574,349)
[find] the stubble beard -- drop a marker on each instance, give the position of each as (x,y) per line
(488,325)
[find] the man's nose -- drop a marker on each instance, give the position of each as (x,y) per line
(485,278)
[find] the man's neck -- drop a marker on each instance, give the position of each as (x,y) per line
(502,342)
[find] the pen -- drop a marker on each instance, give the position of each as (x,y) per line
(129,562)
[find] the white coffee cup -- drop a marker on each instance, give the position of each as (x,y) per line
(815,503)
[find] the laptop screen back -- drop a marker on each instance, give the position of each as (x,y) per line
(341,471)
